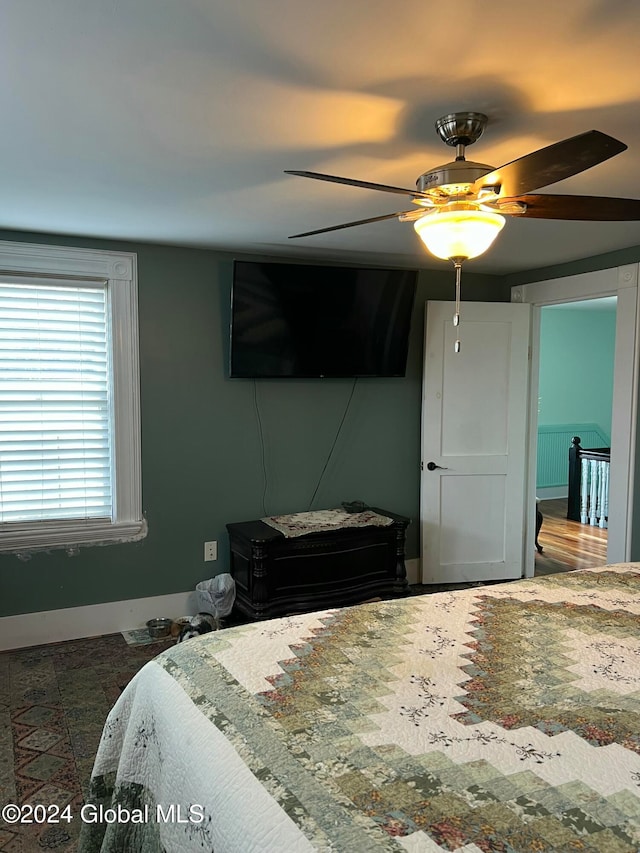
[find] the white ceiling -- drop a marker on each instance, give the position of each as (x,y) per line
(173,120)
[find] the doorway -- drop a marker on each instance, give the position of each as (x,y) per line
(575,398)
(621,282)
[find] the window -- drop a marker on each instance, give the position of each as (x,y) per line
(69,398)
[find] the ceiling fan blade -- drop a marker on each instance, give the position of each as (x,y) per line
(352,224)
(583,207)
(352,182)
(551,164)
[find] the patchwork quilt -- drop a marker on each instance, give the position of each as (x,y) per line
(496,718)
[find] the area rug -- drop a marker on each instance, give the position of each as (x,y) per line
(54,700)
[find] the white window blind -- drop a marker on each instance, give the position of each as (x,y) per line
(70,444)
(55,424)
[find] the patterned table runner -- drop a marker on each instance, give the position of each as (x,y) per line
(301,523)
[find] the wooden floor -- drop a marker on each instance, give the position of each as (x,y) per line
(567,544)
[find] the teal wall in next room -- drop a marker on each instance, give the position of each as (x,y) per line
(201,450)
(577,349)
(575,392)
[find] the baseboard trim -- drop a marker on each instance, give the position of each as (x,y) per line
(413,570)
(74,623)
(92,620)
(551,493)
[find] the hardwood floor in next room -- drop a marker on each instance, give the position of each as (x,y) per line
(568,544)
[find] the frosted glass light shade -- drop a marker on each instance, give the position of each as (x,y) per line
(459,233)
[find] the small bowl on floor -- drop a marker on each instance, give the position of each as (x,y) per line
(159,627)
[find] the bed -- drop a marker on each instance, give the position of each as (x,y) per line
(494,718)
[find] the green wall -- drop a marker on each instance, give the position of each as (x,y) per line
(576,366)
(201,453)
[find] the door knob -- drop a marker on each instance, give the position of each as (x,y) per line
(431,466)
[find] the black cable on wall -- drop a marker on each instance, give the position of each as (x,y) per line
(335,441)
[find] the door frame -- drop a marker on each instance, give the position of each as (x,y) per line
(616,281)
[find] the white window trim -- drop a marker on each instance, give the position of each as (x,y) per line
(119,271)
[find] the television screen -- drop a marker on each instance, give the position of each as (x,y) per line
(308,321)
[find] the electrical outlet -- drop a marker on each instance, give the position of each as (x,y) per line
(210,551)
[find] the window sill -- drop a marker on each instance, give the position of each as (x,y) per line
(23,539)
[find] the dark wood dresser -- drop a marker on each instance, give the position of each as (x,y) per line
(276,575)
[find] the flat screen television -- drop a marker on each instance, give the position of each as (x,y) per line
(310,321)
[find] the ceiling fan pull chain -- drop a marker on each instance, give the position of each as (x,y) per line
(456,317)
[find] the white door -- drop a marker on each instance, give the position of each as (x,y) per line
(474,442)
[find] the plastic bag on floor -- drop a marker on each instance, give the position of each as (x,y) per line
(216,595)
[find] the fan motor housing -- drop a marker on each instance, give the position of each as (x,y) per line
(453,178)
(461,128)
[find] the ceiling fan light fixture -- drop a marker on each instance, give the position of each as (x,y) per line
(463,234)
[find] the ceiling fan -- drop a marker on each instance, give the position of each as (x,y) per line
(461,205)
